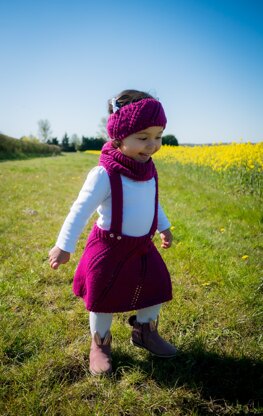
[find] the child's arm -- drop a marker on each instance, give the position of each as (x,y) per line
(94,191)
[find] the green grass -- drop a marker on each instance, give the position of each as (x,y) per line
(215,317)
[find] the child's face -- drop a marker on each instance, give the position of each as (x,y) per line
(142,145)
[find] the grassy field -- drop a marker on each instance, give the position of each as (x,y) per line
(215,317)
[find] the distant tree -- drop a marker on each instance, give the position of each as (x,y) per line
(66,146)
(65,142)
(102,133)
(44,129)
(170,140)
(75,141)
(54,141)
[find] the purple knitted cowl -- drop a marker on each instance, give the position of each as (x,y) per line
(114,160)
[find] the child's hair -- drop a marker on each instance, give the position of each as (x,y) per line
(128,97)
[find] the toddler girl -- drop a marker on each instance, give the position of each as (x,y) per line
(120,269)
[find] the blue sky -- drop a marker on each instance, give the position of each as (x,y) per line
(62,60)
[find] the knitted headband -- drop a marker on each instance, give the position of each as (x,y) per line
(135,117)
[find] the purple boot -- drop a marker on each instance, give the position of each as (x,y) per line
(100,354)
(146,336)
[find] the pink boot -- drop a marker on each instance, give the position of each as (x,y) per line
(146,336)
(100,354)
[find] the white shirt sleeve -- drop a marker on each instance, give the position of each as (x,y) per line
(163,222)
(94,191)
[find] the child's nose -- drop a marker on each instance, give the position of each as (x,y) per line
(151,145)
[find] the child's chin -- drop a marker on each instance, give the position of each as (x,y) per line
(143,159)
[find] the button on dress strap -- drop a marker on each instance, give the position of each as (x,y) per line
(116,202)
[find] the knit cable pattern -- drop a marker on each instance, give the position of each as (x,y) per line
(135,117)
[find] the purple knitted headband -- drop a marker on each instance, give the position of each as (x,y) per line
(135,117)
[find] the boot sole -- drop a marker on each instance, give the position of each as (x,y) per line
(153,353)
(106,373)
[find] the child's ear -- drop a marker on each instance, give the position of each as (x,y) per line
(116,143)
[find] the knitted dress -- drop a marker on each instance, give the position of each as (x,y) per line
(116,272)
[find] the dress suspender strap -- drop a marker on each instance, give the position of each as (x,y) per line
(155,218)
(116,202)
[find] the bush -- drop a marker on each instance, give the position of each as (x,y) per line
(11,148)
(30,139)
(170,140)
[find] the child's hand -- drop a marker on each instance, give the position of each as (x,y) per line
(167,238)
(58,257)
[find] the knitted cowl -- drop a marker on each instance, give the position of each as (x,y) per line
(114,160)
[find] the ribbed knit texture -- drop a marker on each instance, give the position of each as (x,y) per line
(135,117)
(115,161)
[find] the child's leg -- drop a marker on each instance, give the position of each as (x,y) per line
(146,315)
(100,350)
(100,322)
(145,333)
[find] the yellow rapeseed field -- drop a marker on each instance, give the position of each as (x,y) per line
(93,152)
(241,164)
(218,157)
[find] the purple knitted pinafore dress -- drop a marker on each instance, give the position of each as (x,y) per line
(119,273)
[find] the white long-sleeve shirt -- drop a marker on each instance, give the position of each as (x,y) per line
(138,208)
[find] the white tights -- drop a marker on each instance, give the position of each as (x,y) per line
(101,322)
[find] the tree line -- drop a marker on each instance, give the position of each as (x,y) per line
(96,143)
(74,143)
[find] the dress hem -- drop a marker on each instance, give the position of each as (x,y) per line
(125,309)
